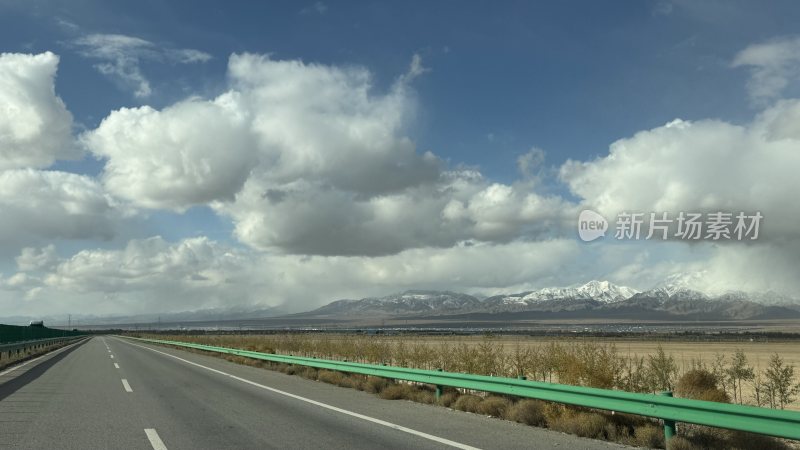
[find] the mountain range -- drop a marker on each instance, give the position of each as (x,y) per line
(673,300)
(592,300)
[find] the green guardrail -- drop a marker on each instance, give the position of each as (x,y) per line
(771,422)
(14,333)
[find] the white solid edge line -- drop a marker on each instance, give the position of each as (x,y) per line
(126,385)
(116,366)
(155,440)
(320,404)
(54,352)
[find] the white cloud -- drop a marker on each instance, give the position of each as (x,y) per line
(154,275)
(708,166)
(310,159)
(701,166)
(121,58)
(187,55)
(774,66)
(415,69)
(190,153)
(307,218)
(37,205)
(530,163)
(35,126)
(32,259)
(327,123)
(195,263)
(769,266)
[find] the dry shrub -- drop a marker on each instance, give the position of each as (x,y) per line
(375,385)
(649,436)
(700,384)
(339,379)
(751,441)
(529,412)
(468,403)
(359,381)
(681,443)
(398,392)
(493,406)
(552,411)
(351,382)
(308,372)
(330,377)
(289,370)
(424,396)
(584,424)
(448,398)
(720,439)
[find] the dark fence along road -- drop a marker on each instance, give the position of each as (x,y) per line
(109,393)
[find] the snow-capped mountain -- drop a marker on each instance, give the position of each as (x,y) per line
(679,286)
(690,286)
(674,299)
(599,291)
(675,293)
(408,302)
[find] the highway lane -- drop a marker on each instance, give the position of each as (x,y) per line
(179,400)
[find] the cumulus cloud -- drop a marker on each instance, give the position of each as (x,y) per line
(38,205)
(327,123)
(190,153)
(306,218)
(707,166)
(195,263)
(120,58)
(35,126)
(310,159)
(147,275)
(156,275)
(31,258)
(774,65)
(701,166)
(766,267)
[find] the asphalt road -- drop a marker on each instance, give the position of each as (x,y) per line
(111,393)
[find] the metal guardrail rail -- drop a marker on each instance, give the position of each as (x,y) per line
(22,346)
(772,422)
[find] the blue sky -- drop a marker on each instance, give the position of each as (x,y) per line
(498,79)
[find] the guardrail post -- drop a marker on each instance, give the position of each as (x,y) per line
(669,425)
(522,377)
(439,388)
